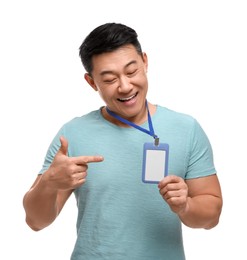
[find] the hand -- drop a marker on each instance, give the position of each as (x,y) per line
(66,173)
(174,191)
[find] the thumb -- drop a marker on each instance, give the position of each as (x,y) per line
(64,146)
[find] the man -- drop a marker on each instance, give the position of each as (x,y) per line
(119,215)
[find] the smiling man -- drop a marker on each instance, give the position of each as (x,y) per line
(119,215)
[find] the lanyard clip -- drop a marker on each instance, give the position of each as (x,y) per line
(156,140)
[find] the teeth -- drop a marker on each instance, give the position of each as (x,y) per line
(126,99)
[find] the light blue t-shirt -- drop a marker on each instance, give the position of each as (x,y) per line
(119,216)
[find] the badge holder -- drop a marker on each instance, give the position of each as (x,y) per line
(155,162)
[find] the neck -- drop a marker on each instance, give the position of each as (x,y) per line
(138,120)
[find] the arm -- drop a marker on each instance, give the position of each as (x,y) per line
(198,202)
(42,205)
(47,196)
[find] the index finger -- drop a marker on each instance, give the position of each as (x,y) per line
(88,159)
(169,179)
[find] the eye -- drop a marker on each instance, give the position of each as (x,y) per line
(109,81)
(131,73)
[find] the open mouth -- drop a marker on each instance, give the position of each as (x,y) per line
(128,98)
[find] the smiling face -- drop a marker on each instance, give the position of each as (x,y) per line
(120,77)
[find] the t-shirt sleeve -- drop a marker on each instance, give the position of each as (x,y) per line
(52,151)
(200,157)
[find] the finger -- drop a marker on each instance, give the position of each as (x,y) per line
(172,194)
(64,146)
(173,186)
(82,160)
(79,179)
(80,168)
(80,175)
(168,179)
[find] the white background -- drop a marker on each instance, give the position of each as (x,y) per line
(197,65)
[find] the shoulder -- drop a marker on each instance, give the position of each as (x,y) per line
(81,124)
(84,119)
(174,118)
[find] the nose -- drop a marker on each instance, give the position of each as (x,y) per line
(125,85)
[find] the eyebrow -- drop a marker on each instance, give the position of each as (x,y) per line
(104,72)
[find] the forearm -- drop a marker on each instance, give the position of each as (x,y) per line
(202,211)
(40,204)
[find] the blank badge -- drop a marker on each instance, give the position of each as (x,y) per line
(155,162)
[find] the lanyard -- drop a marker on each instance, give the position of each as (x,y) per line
(149,132)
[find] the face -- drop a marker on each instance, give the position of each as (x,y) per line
(120,77)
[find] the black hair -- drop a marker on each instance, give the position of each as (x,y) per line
(106,38)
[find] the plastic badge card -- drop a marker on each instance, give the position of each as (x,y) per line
(155,162)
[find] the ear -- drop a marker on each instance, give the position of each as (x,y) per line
(145,60)
(90,81)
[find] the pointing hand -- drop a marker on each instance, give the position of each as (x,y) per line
(66,173)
